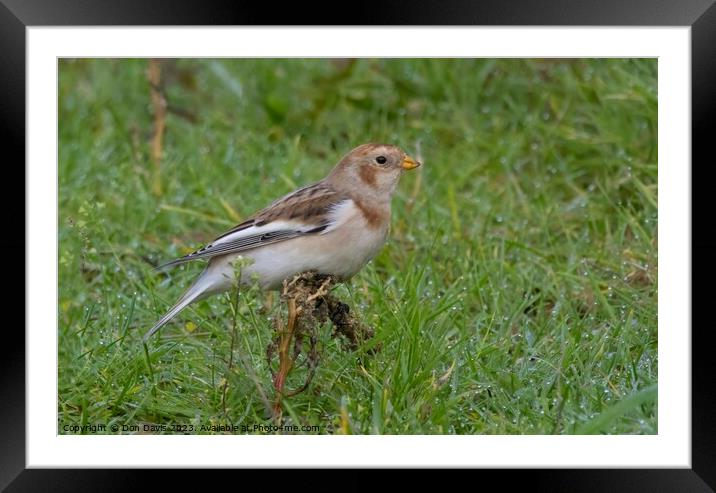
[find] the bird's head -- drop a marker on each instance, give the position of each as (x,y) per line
(372,168)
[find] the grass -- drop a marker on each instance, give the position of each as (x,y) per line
(517,293)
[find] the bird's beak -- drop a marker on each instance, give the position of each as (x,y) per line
(409,163)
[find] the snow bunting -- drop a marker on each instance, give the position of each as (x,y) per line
(333,227)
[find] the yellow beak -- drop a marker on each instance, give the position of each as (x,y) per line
(409,163)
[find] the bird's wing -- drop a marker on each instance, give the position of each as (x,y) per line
(310,210)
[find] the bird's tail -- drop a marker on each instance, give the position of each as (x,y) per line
(199,288)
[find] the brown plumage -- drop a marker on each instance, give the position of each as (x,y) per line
(367,175)
(376,217)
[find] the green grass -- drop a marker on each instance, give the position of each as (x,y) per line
(517,293)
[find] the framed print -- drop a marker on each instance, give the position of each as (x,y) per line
(456,245)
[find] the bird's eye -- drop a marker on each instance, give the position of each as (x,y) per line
(381,160)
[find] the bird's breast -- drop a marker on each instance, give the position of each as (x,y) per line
(341,251)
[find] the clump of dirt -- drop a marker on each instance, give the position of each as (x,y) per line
(310,305)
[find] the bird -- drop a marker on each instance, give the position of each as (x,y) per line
(333,227)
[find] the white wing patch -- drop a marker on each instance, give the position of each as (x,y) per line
(273,226)
(340,214)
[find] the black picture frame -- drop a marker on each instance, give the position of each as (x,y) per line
(700,15)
